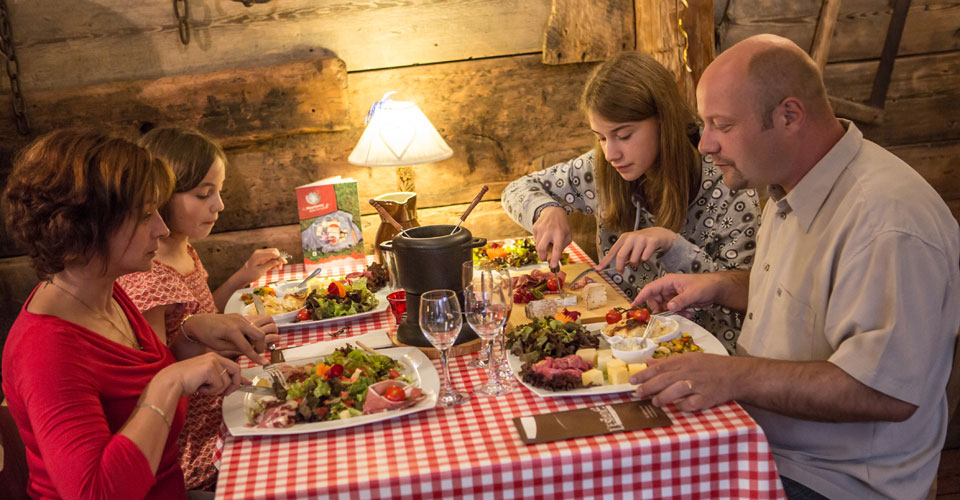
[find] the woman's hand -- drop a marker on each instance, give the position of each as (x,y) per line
(551,233)
(209,373)
(260,262)
(230,334)
(638,246)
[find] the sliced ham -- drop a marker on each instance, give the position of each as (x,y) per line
(375,401)
(582,283)
(277,415)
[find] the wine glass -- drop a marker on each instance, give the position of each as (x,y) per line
(486,270)
(440,320)
(473,270)
(486,306)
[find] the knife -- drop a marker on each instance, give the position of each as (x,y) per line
(556,270)
(258,304)
(256,389)
(586,272)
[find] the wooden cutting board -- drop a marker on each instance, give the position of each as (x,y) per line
(614,297)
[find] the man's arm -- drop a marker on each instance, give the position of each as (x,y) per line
(806,390)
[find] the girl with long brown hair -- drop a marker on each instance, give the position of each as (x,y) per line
(659,206)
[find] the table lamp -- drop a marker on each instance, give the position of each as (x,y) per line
(398,134)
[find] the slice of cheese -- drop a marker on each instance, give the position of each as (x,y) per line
(636,367)
(617,375)
(569,300)
(588,355)
(592,377)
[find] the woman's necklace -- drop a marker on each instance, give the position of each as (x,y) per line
(123,331)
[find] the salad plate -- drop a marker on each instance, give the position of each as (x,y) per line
(701,337)
(414,363)
(288,320)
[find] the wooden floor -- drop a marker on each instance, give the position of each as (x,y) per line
(948,477)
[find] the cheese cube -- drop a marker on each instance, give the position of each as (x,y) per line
(617,374)
(636,367)
(603,356)
(588,355)
(594,295)
(615,363)
(592,377)
(569,301)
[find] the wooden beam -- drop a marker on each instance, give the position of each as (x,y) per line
(232,106)
(856,111)
(657,36)
(702,50)
(820,48)
(891,45)
(931,25)
(69,44)
(580,31)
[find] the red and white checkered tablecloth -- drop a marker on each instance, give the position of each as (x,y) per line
(473,450)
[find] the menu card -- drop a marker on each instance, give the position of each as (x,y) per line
(330,222)
(592,421)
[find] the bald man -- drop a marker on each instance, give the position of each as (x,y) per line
(853,303)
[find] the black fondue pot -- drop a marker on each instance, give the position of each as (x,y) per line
(430,258)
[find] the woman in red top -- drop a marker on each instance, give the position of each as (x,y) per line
(176,286)
(97,397)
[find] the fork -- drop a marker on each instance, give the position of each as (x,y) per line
(276,375)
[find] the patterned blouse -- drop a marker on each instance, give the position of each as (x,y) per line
(720,233)
(189,294)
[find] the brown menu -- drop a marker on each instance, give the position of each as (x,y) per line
(592,421)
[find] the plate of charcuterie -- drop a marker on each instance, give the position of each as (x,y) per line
(346,387)
(586,366)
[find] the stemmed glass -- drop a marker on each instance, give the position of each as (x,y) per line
(487,271)
(486,305)
(483,356)
(440,320)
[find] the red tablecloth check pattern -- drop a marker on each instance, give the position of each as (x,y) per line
(474,450)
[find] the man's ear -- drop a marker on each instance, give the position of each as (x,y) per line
(791,113)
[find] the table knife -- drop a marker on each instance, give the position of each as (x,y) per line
(256,389)
(258,304)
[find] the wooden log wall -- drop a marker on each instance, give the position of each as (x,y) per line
(923,101)
(285,87)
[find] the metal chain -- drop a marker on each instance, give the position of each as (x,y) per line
(183,20)
(13,71)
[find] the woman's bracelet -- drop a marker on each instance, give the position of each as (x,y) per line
(156,409)
(184,332)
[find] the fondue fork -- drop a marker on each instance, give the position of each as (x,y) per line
(469,209)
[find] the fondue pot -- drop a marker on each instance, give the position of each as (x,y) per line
(430,258)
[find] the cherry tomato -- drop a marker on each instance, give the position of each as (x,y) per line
(394,373)
(334,371)
(641,315)
(553,285)
(613,316)
(303,315)
(395,393)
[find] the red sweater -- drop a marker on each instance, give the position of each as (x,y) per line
(70,391)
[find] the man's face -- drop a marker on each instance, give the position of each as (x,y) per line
(733,132)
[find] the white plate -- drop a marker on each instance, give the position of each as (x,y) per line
(703,338)
(423,372)
(285,321)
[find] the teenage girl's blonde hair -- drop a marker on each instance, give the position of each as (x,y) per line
(629,87)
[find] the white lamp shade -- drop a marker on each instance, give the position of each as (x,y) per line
(399,134)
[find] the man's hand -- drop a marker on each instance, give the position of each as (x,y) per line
(551,233)
(676,292)
(694,381)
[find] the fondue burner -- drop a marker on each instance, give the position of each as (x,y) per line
(430,258)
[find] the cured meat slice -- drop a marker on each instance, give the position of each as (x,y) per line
(375,401)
